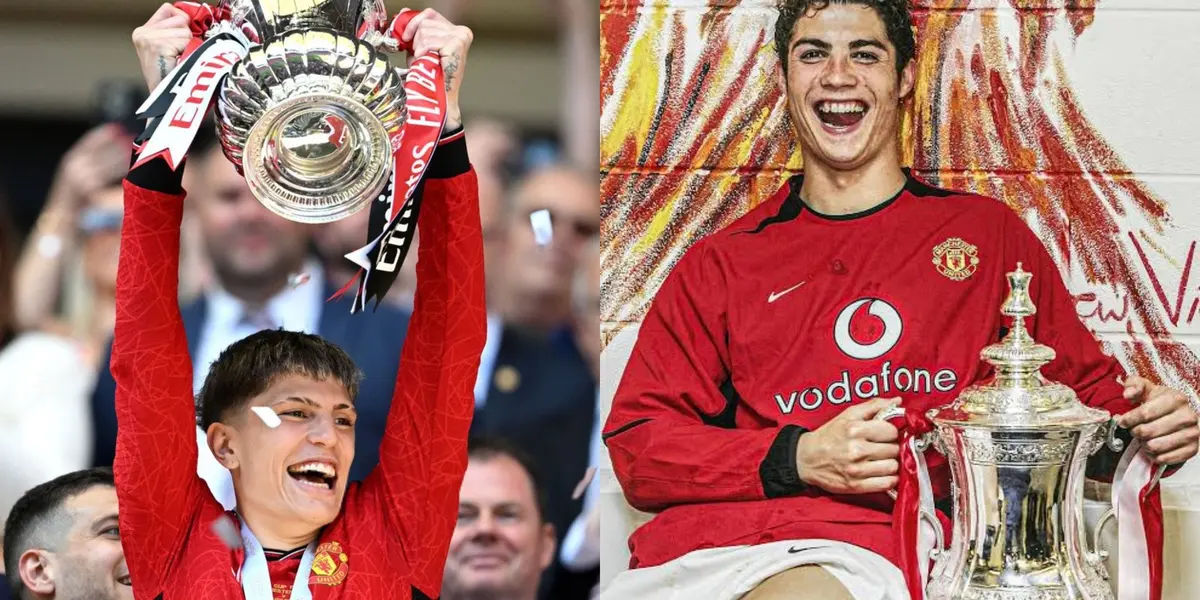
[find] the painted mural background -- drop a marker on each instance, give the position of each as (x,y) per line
(1079,114)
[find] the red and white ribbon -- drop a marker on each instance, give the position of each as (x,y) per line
(177,106)
(1137,507)
(394,214)
(915,520)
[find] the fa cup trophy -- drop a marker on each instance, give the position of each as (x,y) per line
(1017,447)
(310,111)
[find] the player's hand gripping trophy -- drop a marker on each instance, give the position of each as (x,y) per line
(309,109)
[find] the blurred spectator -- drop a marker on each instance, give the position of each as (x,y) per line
(44,430)
(495,154)
(66,278)
(581,547)
(534,291)
(254,255)
(531,389)
(63,541)
(502,542)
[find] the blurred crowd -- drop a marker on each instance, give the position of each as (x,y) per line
(523,531)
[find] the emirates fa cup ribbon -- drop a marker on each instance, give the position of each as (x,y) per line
(311,112)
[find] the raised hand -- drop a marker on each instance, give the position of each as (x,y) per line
(160,42)
(430,31)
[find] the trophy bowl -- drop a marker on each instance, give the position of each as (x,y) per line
(309,114)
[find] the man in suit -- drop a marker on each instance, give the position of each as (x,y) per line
(265,278)
(534,389)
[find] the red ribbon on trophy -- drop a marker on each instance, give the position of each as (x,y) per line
(1137,508)
(914,535)
(177,106)
(393,224)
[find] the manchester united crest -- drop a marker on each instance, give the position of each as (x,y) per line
(956,259)
(329,566)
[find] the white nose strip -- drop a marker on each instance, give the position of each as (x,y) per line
(268,416)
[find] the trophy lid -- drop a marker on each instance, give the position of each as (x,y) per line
(1018,395)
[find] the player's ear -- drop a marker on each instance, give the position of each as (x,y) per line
(36,570)
(220,442)
(908,78)
(548,546)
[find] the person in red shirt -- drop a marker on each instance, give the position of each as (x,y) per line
(745,416)
(304,533)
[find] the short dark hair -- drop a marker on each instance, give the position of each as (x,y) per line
(894,13)
(36,511)
(486,448)
(252,364)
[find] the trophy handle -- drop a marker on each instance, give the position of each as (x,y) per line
(1097,555)
(1110,437)
(922,443)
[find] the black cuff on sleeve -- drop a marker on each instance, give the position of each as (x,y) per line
(778,471)
(156,176)
(449,160)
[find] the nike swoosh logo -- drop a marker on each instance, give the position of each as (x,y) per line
(777,295)
(795,550)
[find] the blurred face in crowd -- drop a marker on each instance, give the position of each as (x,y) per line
(247,243)
(574,205)
(89,563)
(492,146)
(501,545)
(100,227)
(587,307)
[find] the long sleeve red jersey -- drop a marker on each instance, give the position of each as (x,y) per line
(780,321)
(393,533)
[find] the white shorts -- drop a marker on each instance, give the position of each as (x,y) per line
(728,573)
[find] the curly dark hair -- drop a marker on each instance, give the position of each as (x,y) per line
(894,13)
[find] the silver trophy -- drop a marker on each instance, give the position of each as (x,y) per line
(308,115)
(1017,448)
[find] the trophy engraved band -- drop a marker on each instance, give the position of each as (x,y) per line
(1017,446)
(311,113)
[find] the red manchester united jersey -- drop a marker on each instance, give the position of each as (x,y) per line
(391,538)
(782,320)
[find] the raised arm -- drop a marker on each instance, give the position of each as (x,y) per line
(665,432)
(156,452)
(424,451)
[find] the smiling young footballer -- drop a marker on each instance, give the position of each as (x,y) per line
(745,414)
(305,533)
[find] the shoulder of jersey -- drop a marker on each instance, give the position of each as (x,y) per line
(985,207)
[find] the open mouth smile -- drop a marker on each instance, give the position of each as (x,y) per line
(841,116)
(314,474)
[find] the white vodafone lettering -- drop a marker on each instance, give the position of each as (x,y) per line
(867,329)
(848,387)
